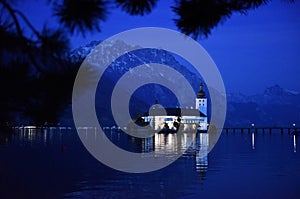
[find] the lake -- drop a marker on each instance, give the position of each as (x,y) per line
(53,163)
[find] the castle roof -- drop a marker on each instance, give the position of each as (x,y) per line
(175,112)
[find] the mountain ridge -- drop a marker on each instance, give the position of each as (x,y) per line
(274,106)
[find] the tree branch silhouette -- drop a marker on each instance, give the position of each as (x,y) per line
(137,7)
(80,15)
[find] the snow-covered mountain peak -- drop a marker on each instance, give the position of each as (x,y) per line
(81,52)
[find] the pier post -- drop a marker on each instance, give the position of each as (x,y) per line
(257,130)
(295,129)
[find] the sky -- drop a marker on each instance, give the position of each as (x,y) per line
(252,51)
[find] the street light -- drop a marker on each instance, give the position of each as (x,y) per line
(252,124)
(294,125)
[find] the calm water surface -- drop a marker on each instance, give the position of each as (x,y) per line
(54,164)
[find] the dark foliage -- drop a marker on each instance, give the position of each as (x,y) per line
(80,15)
(199,17)
(36,80)
(54,42)
(137,7)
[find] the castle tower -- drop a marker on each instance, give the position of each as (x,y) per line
(201,101)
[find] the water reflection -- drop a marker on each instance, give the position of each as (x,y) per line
(75,173)
(196,146)
(166,145)
(253,140)
(5,137)
(162,144)
(172,143)
(202,153)
(295,143)
(33,136)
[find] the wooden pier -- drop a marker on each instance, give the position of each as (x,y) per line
(263,130)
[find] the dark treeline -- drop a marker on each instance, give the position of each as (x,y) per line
(35,81)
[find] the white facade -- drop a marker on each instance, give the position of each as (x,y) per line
(194,118)
(190,122)
(201,105)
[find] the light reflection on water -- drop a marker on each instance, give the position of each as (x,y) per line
(295,143)
(166,145)
(50,163)
(253,141)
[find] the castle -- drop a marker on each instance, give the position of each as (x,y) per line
(170,118)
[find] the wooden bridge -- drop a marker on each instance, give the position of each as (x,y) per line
(288,130)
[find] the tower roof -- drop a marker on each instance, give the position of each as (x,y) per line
(201,93)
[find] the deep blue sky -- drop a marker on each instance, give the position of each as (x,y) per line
(252,52)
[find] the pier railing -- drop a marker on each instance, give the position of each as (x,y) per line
(288,130)
(253,129)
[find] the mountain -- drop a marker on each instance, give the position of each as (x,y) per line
(145,96)
(78,54)
(272,95)
(276,106)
